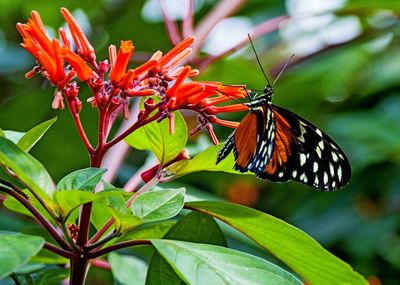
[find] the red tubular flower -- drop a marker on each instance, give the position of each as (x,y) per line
(118,68)
(50,54)
(83,46)
(82,69)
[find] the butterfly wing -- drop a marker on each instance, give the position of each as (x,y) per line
(305,154)
(248,141)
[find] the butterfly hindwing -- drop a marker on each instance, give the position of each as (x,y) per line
(305,154)
(246,142)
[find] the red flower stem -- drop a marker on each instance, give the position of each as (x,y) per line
(124,244)
(57,250)
(79,127)
(101,232)
(172,29)
(103,241)
(141,122)
(96,159)
(38,216)
(144,188)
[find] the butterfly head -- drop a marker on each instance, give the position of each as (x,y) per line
(268,91)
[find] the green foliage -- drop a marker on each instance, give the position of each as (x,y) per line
(194,227)
(15,251)
(157,138)
(291,245)
(158,205)
(125,269)
(209,264)
(84,179)
(204,161)
(26,168)
(31,137)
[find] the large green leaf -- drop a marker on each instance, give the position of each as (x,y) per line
(158,205)
(128,269)
(291,245)
(30,171)
(209,264)
(31,137)
(194,227)
(204,161)
(16,249)
(157,138)
(68,200)
(83,179)
(13,205)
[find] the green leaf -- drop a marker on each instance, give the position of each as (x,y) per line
(52,276)
(124,222)
(157,138)
(68,200)
(83,179)
(158,205)
(210,264)
(128,269)
(30,171)
(1,133)
(194,227)
(291,245)
(204,161)
(16,249)
(13,205)
(148,231)
(31,137)
(13,136)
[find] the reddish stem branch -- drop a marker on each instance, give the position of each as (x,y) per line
(38,216)
(100,252)
(142,121)
(79,127)
(57,250)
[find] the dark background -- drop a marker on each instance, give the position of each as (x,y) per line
(345,77)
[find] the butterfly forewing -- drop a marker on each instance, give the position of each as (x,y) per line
(313,157)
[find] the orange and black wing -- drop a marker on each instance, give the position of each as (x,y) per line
(248,141)
(303,153)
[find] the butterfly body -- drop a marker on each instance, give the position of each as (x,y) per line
(278,145)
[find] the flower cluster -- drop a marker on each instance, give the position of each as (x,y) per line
(113,84)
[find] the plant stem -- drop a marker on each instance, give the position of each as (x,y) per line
(38,216)
(101,232)
(124,244)
(57,250)
(78,269)
(79,127)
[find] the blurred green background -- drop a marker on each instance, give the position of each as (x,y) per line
(345,77)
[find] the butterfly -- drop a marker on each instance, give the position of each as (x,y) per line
(278,145)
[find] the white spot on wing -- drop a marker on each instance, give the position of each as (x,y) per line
(302,159)
(318,150)
(325,178)
(315,167)
(280,174)
(334,156)
(321,144)
(294,173)
(316,181)
(339,172)
(332,170)
(318,131)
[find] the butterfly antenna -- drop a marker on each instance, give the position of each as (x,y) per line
(258,60)
(282,70)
